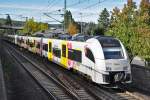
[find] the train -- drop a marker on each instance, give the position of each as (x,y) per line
(103,58)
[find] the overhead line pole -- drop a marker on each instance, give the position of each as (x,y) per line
(81,24)
(65,7)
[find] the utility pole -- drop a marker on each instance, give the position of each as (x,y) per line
(81,24)
(65,7)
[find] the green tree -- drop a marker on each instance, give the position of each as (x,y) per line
(8,21)
(44,26)
(31,27)
(103,21)
(98,30)
(131,26)
(145,11)
(68,19)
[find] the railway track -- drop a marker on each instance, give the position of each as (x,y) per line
(81,88)
(51,86)
(80,93)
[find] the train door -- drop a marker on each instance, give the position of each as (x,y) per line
(33,45)
(64,54)
(41,47)
(50,54)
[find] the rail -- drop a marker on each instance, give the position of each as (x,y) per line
(47,82)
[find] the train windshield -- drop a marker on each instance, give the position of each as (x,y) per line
(111,47)
(113,54)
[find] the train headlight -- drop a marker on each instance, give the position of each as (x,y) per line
(108,68)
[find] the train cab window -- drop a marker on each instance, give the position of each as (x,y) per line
(63,50)
(75,55)
(45,47)
(57,52)
(89,55)
(50,47)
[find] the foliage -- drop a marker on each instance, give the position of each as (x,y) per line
(70,25)
(98,30)
(131,26)
(72,29)
(103,21)
(68,19)
(89,28)
(31,27)
(102,26)
(8,21)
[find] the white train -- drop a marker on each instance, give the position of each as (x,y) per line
(103,59)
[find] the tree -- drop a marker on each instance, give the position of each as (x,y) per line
(103,21)
(68,19)
(145,11)
(43,26)
(31,27)
(72,29)
(8,21)
(98,30)
(89,28)
(131,26)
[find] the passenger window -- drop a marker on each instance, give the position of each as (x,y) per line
(57,52)
(45,47)
(75,55)
(50,47)
(63,50)
(89,55)
(38,45)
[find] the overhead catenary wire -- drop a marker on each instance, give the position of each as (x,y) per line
(93,5)
(89,6)
(51,2)
(52,17)
(77,3)
(59,12)
(54,3)
(87,15)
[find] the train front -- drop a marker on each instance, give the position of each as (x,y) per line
(111,61)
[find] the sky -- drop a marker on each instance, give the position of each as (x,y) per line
(82,10)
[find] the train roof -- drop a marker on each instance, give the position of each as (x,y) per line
(80,37)
(108,41)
